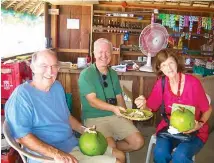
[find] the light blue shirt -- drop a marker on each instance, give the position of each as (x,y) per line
(44,114)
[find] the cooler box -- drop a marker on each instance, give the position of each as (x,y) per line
(203,71)
(12,75)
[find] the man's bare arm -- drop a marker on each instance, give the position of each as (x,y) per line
(120,101)
(76,125)
(33,143)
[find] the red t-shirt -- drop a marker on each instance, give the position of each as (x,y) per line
(193,95)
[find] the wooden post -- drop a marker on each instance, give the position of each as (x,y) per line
(47,20)
(54,28)
(47,26)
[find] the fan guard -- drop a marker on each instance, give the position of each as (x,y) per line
(153,38)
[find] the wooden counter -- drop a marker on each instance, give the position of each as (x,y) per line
(142,84)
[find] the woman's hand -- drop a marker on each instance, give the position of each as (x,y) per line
(62,157)
(117,110)
(140,102)
(198,125)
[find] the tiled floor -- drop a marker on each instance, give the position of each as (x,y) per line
(206,155)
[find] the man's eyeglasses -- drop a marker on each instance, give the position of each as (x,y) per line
(105,84)
(46,67)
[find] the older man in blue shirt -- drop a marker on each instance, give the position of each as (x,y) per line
(38,116)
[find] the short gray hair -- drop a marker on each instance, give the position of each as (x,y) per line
(35,55)
(102,40)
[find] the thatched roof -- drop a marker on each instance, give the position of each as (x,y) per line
(35,7)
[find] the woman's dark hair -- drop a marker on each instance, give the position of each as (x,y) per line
(162,56)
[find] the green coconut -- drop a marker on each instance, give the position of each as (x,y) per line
(93,143)
(182,119)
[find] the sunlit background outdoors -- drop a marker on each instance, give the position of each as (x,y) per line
(21,33)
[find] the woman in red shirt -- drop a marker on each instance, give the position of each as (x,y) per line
(182,89)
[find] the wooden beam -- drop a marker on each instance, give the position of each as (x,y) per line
(47,21)
(72,50)
(148,12)
(159,6)
(72,2)
(10,4)
(20,4)
(54,28)
(209,4)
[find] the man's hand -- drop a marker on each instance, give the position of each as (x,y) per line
(117,110)
(62,157)
(140,102)
(87,129)
(198,125)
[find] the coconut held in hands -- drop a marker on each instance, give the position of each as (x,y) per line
(182,119)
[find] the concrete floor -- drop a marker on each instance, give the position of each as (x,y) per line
(206,155)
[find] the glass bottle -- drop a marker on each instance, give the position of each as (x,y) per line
(115,26)
(101,22)
(112,26)
(95,25)
(118,26)
(109,26)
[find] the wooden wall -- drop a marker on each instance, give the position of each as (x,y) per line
(70,84)
(69,39)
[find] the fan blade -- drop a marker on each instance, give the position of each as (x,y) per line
(153,38)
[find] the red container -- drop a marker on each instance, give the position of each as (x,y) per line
(10,156)
(12,75)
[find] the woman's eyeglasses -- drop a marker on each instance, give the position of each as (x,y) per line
(105,84)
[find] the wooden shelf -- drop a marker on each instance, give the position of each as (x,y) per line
(199,51)
(127,47)
(72,50)
(125,29)
(139,53)
(116,33)
(196,56)
(132,53)
(130,19)
(114,52)
(139,17)
(192,34)
(136,20)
